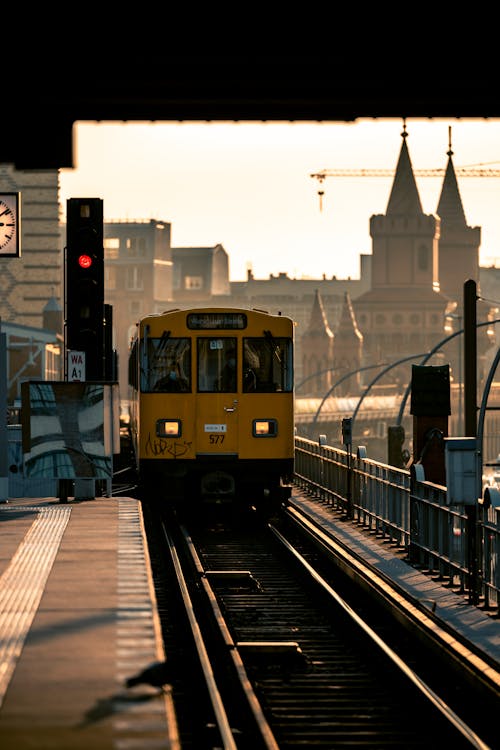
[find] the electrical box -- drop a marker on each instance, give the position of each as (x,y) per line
(461,471)
(347,431)
(430,391)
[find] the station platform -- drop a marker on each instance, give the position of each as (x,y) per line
(78,616)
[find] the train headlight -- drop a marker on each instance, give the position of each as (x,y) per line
(264,428)
(168,428)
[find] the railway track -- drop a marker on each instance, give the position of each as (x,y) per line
(270,645)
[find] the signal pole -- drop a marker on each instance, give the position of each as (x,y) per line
(84,305)
(84,283)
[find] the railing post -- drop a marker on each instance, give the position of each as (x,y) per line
(347,440)
(417,474)
(472,558)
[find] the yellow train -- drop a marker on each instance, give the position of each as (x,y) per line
(212,407)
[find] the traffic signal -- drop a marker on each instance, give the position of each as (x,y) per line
(85,283)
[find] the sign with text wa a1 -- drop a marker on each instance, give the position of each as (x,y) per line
(76,367)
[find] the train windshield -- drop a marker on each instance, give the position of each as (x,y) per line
(166,364)
(226,364)
(267,364)
(217,364)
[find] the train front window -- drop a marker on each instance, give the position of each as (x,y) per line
(166,366)
(267,364)
(217,364)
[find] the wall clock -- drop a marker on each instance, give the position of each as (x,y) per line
(10,225)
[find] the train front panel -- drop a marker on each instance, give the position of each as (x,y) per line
(216,406)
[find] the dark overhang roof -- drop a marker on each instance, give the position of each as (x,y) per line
(52,95)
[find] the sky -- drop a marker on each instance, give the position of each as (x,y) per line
(248,186)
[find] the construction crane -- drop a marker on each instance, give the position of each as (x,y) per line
(473,170)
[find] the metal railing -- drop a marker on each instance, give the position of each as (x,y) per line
(401,507)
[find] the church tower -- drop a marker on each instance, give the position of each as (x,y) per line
(459,261)
(403,312)
(458,244)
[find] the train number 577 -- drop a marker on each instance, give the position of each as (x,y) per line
(216,439)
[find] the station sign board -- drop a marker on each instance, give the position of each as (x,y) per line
(76,367)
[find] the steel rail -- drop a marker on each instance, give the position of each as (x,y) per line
(221,718)
(426,691)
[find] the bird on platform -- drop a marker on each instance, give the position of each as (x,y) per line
(156,675)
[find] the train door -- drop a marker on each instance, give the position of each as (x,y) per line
(217,403)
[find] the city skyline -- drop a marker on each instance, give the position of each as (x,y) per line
(248,186)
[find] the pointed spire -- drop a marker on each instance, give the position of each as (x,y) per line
(52,305)
(348,351)
(347,323)
(404,199)
(318,322)
(450,209)
(53,316)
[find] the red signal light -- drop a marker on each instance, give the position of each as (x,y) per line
(84,261)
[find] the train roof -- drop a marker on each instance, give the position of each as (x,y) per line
(213,309)
(153,320)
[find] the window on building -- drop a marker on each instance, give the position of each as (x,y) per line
(110,277)
(176,277)
(136,247)
(53,362)
(193,282)
(111,248)
(135,281)
(423,258)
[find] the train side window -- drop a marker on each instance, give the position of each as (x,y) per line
(132,366)
(251,364)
